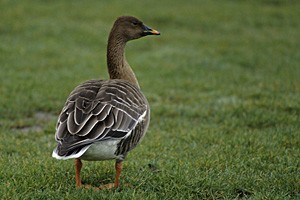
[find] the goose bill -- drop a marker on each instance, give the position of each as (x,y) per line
(150,31)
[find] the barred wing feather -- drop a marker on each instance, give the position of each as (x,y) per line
(98,110)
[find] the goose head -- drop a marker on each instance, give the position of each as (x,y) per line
(130,28)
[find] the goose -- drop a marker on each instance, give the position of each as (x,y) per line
(105,119)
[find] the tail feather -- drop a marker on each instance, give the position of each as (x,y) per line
(75,154)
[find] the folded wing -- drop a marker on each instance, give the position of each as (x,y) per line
(98,110)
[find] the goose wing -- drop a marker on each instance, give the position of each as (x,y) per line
(98,110)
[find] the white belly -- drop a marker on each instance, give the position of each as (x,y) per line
(103,150)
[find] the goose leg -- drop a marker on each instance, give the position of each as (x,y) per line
(78,165)
(116,184)
(118,167)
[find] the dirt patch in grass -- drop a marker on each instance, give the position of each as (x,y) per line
(40,119)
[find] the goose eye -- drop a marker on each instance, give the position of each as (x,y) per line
(134,23)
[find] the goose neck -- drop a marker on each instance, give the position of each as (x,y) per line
(118,67)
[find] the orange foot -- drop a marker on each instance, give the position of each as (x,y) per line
(102,187)
(108,186)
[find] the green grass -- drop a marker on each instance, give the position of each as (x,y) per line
(223,81)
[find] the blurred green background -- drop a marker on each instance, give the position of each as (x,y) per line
(223,82)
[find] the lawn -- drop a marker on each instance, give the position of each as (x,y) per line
(223,82)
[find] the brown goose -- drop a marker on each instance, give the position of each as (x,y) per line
(105,119)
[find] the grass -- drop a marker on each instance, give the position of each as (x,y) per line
(222,80)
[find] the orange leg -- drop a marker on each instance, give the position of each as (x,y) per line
(116,184)
(118,167)
(78,165)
